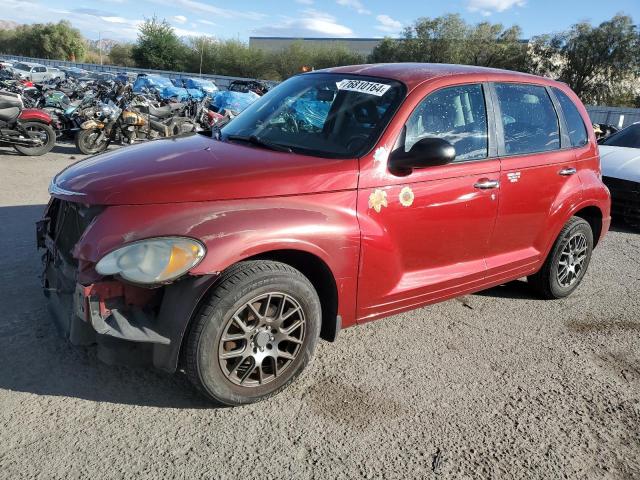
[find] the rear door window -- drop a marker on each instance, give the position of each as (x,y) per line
(455,114)
(529,121)
(575,124)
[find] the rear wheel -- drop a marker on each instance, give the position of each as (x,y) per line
(254,334)
(42,132)
(90,142)
(567,263)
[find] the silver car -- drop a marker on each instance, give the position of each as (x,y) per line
(37,73)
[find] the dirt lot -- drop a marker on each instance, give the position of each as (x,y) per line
(494,385)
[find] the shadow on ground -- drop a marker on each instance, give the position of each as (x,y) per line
(62,147)
(35,359)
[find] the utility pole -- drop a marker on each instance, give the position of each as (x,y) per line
(100,42)
(202,53)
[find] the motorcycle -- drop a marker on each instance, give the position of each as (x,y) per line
(28,130)
(129,122)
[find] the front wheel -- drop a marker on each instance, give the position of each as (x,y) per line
(90,142)
(254,334)
(43,133)
(567,263)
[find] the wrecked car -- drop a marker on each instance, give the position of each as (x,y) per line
(230,259)
(165,88)
(208,87)
(620,156)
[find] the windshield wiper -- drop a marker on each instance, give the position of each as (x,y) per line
(255,140)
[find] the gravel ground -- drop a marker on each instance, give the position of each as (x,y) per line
(493,385)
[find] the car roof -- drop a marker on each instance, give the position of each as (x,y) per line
(413,74)
(32,64)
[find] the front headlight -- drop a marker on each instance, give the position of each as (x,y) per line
(155,260)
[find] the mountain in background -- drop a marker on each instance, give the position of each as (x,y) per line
(107,44)
(8,25)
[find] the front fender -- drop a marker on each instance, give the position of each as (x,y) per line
(323,225)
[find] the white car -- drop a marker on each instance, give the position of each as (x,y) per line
(35,72)
(620,159)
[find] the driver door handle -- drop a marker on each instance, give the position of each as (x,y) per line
(486,184)
(565,172)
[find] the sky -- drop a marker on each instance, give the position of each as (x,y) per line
(119,19)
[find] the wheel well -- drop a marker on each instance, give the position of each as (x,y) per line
(593,216)
(320,276)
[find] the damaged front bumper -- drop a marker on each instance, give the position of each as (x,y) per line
(131,325)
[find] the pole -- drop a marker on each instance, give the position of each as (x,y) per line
(202,53)
(100,45)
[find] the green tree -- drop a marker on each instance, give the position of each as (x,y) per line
(290,60)
(51,40)
(158,46)
(449,39)
(122,54)
(599,63)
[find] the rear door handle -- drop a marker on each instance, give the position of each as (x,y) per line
(566,172)
(487,184)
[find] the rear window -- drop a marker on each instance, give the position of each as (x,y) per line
(628,137)
(575,124)
(529,120)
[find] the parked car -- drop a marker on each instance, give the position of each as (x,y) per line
(102,76)
(35,72)
(207,87)
(244,86)
(231,258)
(74,72)
(56,74)
(164,88)
(620,157)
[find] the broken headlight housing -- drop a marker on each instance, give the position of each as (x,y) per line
(154,260)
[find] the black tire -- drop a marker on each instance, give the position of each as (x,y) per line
(235,290)
(86,142)
(547,281)
(40,129)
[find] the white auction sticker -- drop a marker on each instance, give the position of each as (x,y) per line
(362,86)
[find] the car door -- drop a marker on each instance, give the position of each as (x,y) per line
(39,74)
(425,235)
(537,163)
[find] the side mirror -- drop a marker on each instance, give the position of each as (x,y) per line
(426,152)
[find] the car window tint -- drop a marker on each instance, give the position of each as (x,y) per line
(573,119)
(529,120)
(628,137)
(456,114)
(40,69)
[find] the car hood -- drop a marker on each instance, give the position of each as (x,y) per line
(620,162)
(196,168)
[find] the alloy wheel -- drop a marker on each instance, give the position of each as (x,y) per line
(572,260)
(262,339)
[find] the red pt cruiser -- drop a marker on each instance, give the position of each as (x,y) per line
(341,196)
